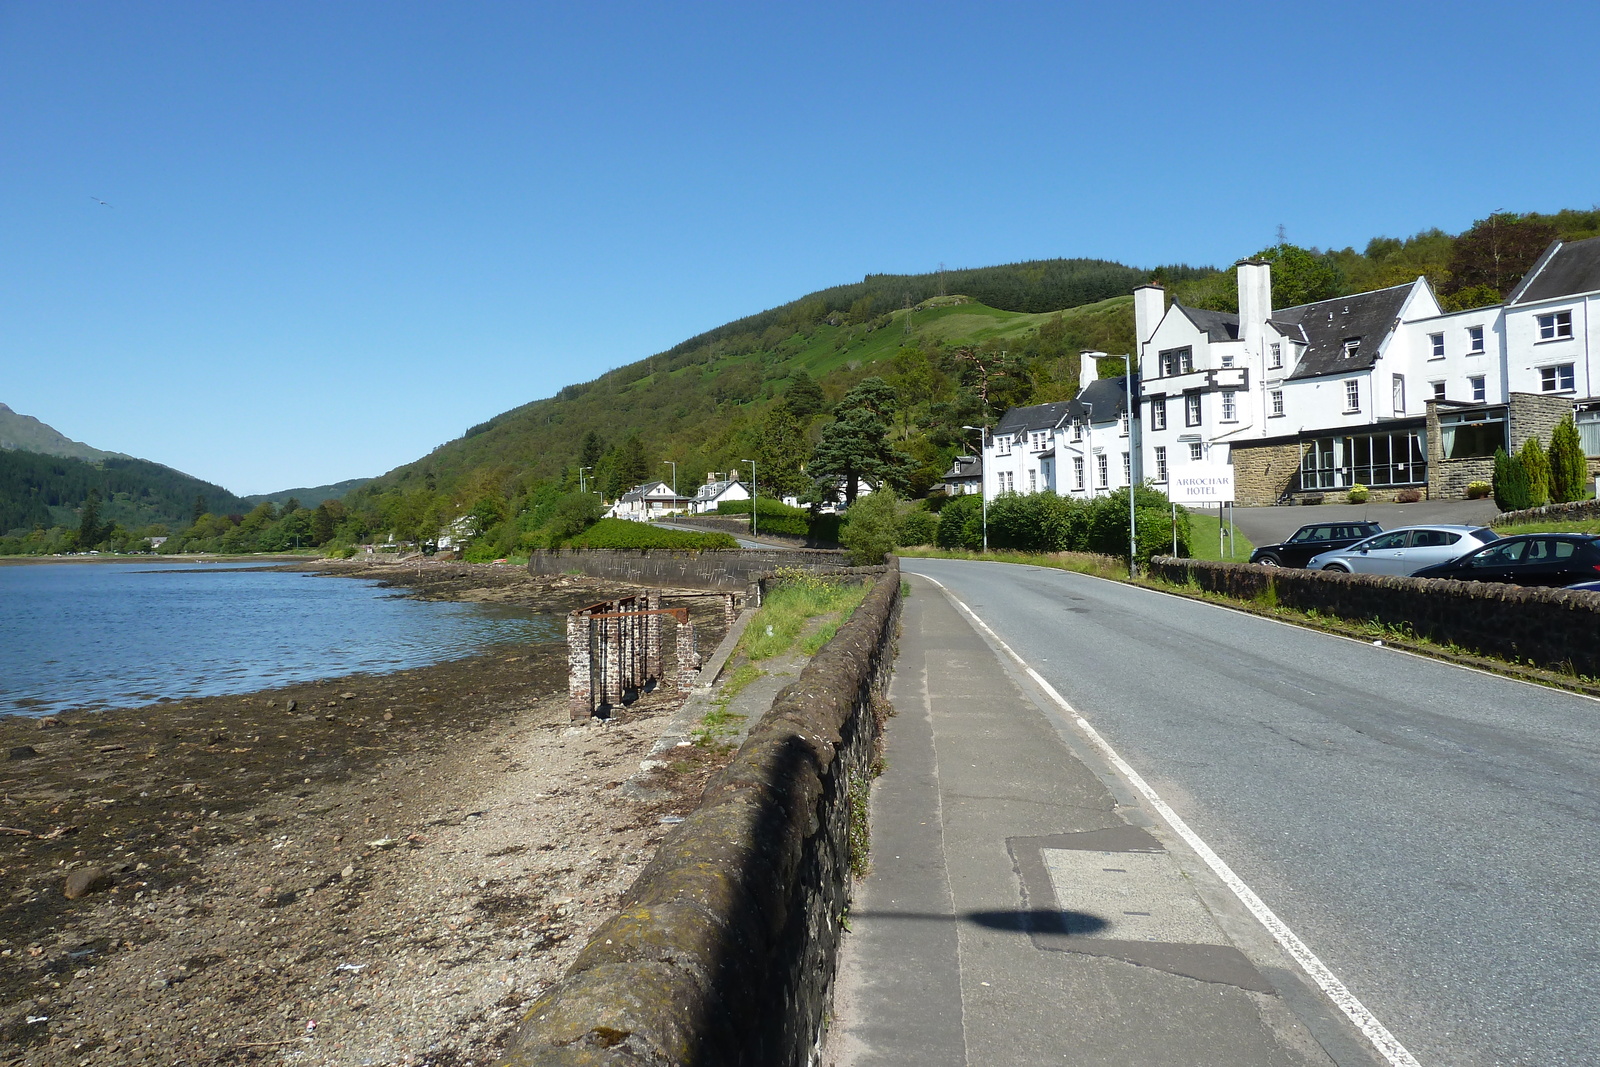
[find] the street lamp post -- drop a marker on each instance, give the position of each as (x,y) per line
(752,495)
(581,486)
(674,467)
(983,480)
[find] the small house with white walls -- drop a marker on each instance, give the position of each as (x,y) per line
(649,501)
(1080,447)
(718,487)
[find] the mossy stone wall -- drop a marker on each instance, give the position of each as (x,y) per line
(723,951)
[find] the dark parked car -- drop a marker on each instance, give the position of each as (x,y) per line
(1311,540)
(1527,559)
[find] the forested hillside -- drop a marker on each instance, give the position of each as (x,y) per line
(41,491)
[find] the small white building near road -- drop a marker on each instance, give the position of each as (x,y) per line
(645,502)
(717,488)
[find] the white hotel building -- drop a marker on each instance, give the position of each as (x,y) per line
(1382,389)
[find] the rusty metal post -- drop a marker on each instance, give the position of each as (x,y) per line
(580,679)
(688,657)
(652,637)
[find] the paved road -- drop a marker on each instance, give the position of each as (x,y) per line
(1432,833)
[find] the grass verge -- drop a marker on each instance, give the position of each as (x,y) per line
(790,605)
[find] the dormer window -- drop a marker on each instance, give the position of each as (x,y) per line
(1122,424)
(1077,430)
(1040,440)
(1352,345)
(1002,445)
(1177,361)
(1275,356)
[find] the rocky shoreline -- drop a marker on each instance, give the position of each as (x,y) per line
(367,870)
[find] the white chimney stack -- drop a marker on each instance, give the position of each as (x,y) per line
(1088,369)
(1149,304)
(1255,302)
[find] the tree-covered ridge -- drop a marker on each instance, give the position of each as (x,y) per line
(42,491)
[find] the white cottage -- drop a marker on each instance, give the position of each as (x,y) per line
(1080,447)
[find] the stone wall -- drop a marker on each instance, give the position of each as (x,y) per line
(1263,473)
(723,951)
(1576,511)
(1553,628)
(1530,415)
(732,569)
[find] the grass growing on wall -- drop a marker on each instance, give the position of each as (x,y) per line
(1584,526)
(1081,562)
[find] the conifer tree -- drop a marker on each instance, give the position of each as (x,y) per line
(1537,464)
(1568,468)
(1510,482)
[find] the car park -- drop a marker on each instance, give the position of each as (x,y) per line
(1312,539)
(1552,559)
(1404,551)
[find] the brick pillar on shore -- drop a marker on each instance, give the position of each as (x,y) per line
(652,637)
(611,685)
(580,679)
(688,657)
(729,612)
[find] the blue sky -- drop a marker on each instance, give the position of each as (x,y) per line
(340,234)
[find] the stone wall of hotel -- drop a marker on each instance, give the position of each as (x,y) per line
(1263,473)
(1531,415)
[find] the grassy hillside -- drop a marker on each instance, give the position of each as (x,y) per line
(701,411)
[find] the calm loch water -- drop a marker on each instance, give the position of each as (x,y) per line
(78,635)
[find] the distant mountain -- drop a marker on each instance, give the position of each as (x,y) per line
(24,433)
(309,497)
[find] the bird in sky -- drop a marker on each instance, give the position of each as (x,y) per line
(97,200)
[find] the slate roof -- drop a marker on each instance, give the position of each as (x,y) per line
(1563,270)
(1217,325)
(712,490)
(1034,417)
(1328,324)
(964,467)
(1103,401)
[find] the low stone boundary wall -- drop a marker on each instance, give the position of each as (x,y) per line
(1576,511)
(731,569)
(1552,628)
(739,526)
(723,951)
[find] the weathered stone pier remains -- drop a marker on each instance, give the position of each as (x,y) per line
(614,650)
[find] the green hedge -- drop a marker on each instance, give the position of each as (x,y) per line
(771,516)
(624,533)
(1044,522)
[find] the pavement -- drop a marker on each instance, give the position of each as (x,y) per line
(1023,906)
(1266,526)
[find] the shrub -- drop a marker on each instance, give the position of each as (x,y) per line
(872,528)
(1408,496)
(1358,494)
(1038,522)
(1537,464)
(1107,531)
(1569,470)
(1477,490)
(570,516)
(1510,486)
(624,533)
(961,523)
(918,527)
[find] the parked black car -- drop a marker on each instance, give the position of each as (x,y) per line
(1311,540)
(1554,559)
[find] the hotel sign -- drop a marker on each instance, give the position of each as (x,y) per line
(1201,483)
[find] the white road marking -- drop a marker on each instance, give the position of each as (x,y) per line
(1386,1043)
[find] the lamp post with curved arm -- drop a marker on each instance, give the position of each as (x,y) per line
(983,479)
(752,495)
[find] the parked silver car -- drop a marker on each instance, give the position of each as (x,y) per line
(1404,551)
